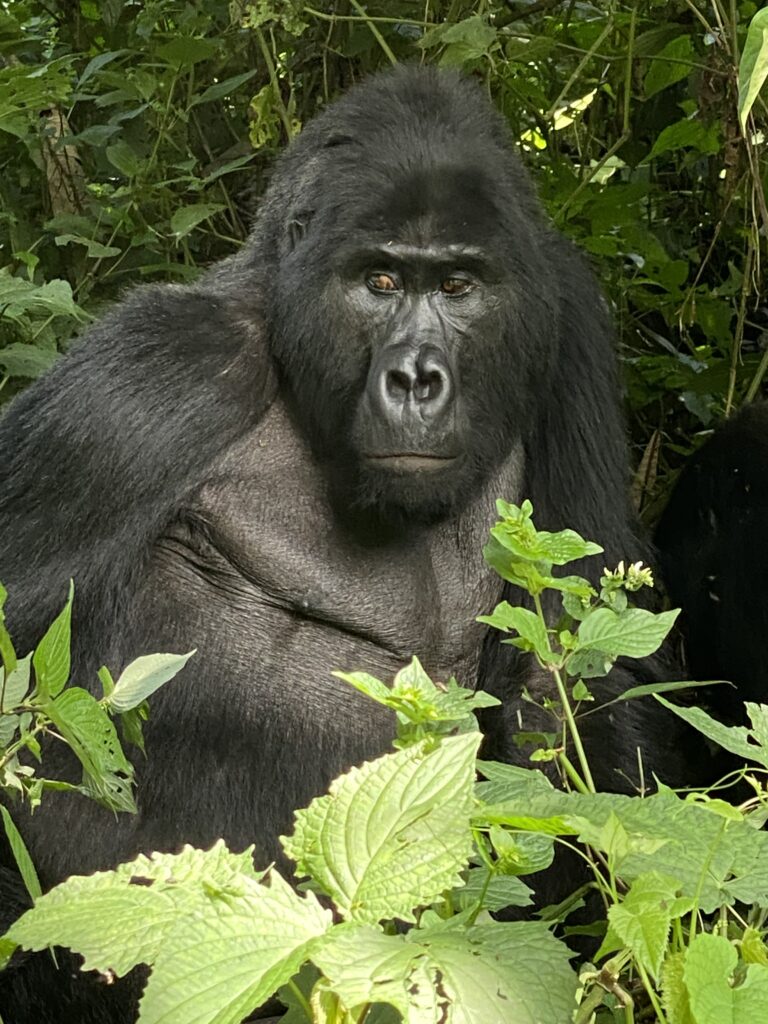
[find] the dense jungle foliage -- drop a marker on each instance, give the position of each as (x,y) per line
(136,137)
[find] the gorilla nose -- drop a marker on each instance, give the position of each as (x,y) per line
(415,379)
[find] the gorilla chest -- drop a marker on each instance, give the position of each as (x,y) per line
(294,588)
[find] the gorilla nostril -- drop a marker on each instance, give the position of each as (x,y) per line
(428,387)
(398,383)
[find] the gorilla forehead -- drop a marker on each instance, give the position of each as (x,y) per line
(436,202)
(410,148)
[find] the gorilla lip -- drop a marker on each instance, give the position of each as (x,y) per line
(410,461)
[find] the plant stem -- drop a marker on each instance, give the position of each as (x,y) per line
(568,712)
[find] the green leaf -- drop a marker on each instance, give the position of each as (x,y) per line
(393,834)
(219,938)
(21,855)
(142,677)
(16,685)
(642,920)
(649,689)
(736,738)
(20,298)
(123,157)
(221,89)
(95,249)
(634,633)
(422,707)
(187,50)
(521,853)
(685,134)
(714,995)
(665,69)
(674,992)
(758,718)
(87,728)
(753,950)
(51,659)
(496,892)
(188,217)
(97,63)
(753,66)
(7,650)
(20,360)
(532,631)
(482,974)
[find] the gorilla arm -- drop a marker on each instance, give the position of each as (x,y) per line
(98,454)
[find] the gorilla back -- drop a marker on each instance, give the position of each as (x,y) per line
(291,466)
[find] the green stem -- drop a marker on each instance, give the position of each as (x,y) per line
(651,992)
(574,731)
(573,775)
(567,710)
(375,32)
(275,84)
(300,998)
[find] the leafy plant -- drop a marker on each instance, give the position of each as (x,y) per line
(414,855)
(35,702)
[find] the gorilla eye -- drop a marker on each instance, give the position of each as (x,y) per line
(455,286)
(383,283)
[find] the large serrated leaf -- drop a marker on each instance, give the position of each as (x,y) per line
(235,953)
(485,974)
(713,995)
(219,937)
(393,834)
(643,919)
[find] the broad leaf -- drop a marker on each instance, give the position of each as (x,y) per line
(634,633)
(714,995)
(51,658)
(483,974)
(753,66)
(142,677)
(393,834)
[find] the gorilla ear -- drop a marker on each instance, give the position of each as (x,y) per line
(298,227)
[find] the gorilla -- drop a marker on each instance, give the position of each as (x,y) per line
(291,466)
(713,542)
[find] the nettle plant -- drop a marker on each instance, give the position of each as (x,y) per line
(408,856)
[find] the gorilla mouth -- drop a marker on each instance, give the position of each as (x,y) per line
(411,462)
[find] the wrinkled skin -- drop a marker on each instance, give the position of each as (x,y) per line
(292,465)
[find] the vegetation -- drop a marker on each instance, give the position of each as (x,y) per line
(682,880)
(36,703)
(135,136)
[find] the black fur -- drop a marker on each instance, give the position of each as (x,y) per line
(294,470)
(713,540)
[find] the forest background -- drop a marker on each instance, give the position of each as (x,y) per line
(136,138)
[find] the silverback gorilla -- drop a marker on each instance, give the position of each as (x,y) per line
(292,465)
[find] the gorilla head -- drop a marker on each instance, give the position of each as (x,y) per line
(410,290)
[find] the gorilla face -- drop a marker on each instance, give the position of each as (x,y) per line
(413,308)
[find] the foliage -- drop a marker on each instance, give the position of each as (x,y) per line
(412,839)
(135,136)
(36,703)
